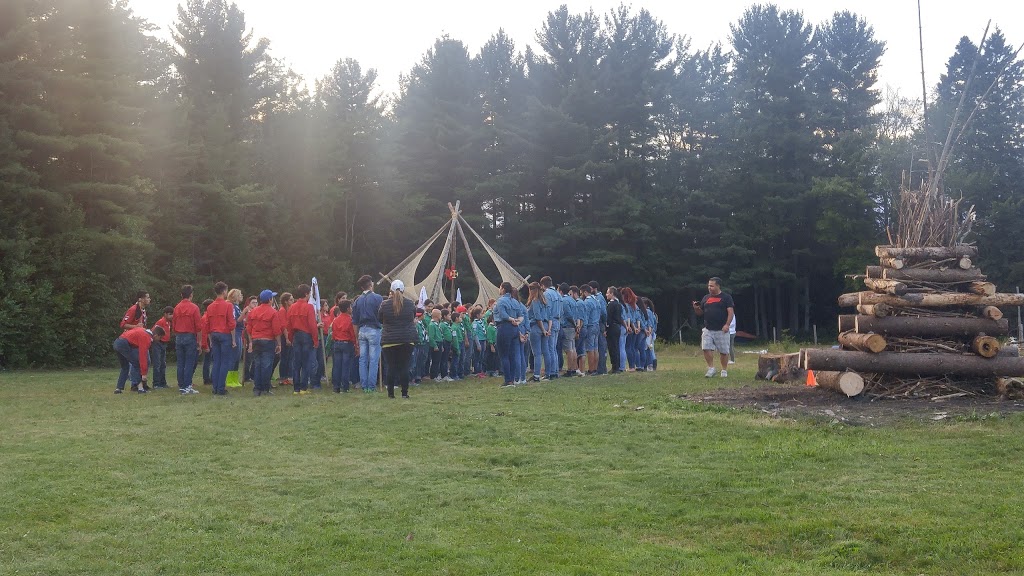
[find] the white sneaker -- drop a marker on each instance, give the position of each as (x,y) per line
(190,390)
(724,374)
(710,373)
(449,379)
(732,361)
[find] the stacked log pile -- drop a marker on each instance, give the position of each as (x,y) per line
(928,325)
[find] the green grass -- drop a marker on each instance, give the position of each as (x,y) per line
(546,479)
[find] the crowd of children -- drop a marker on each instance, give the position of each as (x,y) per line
(560,330)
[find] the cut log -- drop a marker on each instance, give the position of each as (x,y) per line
(931,300)
(877,310)
(965,263)
(983,288)
(847,322)
(1011,350)
(990,312)
(894,263)
(873,343)
(886,286)
(780,367)
(940,275)
(902,364)
(848,383)
(985,346)
(1008,388)
(927,252)
(930,327)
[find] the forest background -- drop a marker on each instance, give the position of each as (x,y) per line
(614,151)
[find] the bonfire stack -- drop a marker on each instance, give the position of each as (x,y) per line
(929,319)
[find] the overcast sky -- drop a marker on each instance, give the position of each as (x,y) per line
(391,36)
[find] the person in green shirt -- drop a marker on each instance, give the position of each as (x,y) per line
(458,338)
(491,356)
(446,346)
(467,343)
(434,342)
(478,341)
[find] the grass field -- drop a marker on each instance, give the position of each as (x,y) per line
(467,478)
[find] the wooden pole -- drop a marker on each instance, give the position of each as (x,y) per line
(940,275)
(927,252)
(886,286)
(849,383)
(894,263)
(923,364)
(923,327)
(873,343)
(877,310)
(931,300)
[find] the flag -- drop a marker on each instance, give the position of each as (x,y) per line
(314,295)
(423,297)
(458,295)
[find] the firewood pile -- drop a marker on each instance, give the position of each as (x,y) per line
(928,323)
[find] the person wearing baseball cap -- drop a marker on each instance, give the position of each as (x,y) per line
(264,329)
(397,316)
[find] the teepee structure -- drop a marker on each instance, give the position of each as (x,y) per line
(453,231)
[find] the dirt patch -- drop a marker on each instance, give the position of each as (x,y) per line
(799,401)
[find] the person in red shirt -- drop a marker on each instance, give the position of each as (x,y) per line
(302,325)
(263,327)
(284,374)
(343,336)
(220,326)
(158,351)
(204,345)
(188,328)
(135,317)
(132,349)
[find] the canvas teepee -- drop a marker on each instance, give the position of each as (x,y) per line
(432,283)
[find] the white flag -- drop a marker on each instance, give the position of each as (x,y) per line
(314,296)
(458,295)
(423,297)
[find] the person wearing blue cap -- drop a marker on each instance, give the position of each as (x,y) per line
(264,329)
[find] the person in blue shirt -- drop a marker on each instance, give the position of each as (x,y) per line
(630,314)
(652,335)
(364,317)
(580,314)
(567,324)
(602,331)
(554,328)
(591,315)
(507,318)
(539,315)
(645,330)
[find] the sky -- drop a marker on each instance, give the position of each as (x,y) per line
(391,36)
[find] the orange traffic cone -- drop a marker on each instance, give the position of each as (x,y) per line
(811,380)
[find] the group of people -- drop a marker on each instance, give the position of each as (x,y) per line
(556,330)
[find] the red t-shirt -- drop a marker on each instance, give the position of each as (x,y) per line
(220,317)
(301,316)
(139,338)
(263,323)
(282,319)
(163,323)
(342,329)
(187,319)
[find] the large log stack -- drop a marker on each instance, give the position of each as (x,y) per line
(928,324)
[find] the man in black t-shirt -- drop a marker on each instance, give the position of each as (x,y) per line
(717,309)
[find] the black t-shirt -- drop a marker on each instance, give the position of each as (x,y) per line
(716,310)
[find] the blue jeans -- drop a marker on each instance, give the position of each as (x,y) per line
(622,346)
(158,358)
(631,349)
(369,356)
(303,363)
(223,358)
(342,369)
(538,345)
(444,370)
(284,369)
(188,355)
(262,363)
(523,358)
(602,350)
(129,359)
(641,351)
(506,346)
(551,350)
(208,367)
(321,365)
(467,357)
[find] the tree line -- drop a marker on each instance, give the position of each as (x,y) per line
(613,150)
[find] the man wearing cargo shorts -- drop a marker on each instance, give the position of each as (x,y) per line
(717,309)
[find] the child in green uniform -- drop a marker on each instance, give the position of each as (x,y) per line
(446,346)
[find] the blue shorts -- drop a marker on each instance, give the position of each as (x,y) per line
(590,338)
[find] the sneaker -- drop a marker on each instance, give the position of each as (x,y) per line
(732,361)
(438,379)
(118,391)
(509,385)
(143,391)
(405,396)
(304,392)
(191,390)
(449,379)
(724,374)
(295,393)
(710,373)
(536,379)
(579,373)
